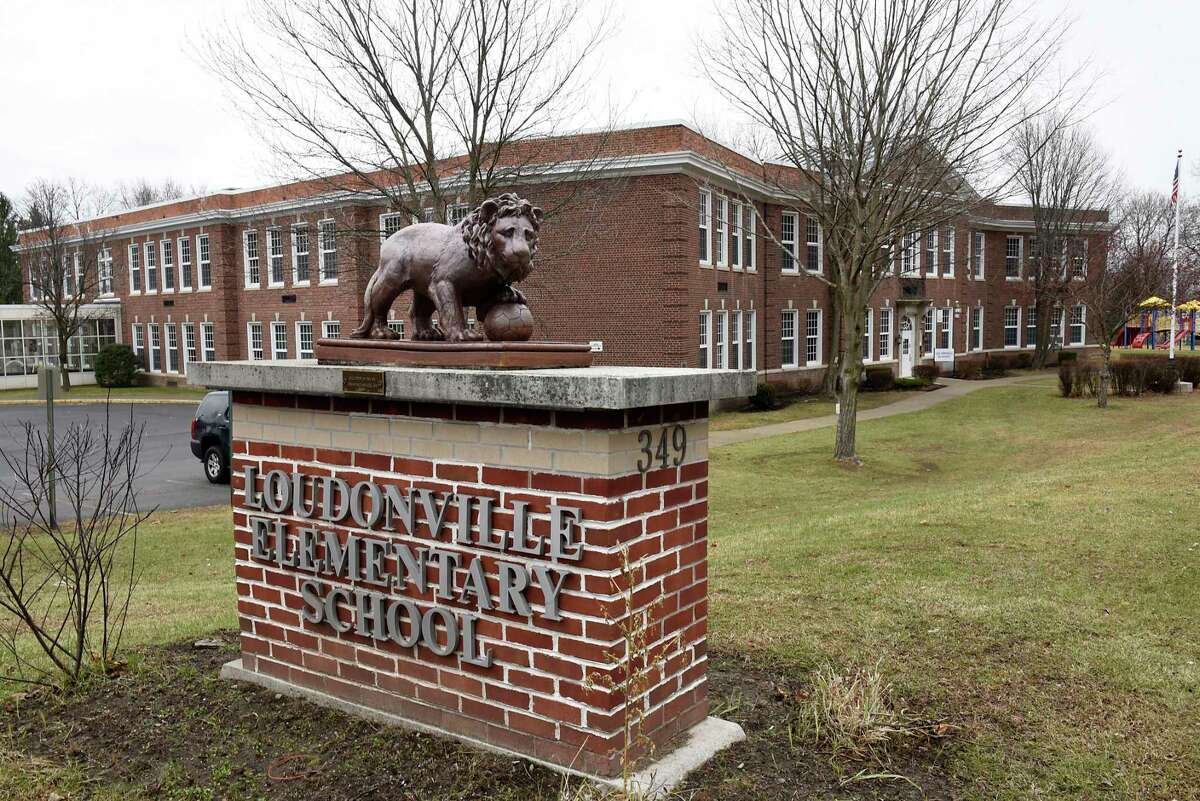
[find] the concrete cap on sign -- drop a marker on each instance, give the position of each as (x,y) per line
(563,388)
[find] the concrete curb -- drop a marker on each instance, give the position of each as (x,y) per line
(704,739)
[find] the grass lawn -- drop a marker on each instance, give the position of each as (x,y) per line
(801,407)
(94,392)
(1022,566)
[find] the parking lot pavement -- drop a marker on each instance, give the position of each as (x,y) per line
(169,476)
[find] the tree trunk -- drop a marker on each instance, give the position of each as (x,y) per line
(829,385)
(63,362)
(845,448)
(1041,351)
(1105,377)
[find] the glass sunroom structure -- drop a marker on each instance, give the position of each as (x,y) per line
(28,339)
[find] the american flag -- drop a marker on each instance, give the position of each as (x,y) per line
(1175,180)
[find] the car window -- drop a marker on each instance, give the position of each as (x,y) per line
(213,405)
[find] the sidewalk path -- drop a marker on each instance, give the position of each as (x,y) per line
(952,388)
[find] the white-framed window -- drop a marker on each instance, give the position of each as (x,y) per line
(947,243)
(927,331)
(150,255)
(720,340)
(389,224)
(190,354)
(720,223)
(868,334)
(172,346)
(185,264)
(812,337)
(139,342)
(788,233)
(104,275)
(931,254)
(209,335)
(735,237)
(976,342)
(135,270)
(977,257)
(155,348)
(1031,326)
(1058,334)
(254,340)
(1013,253)
(397,326)
(885,333)
(787,338)
(205,261)
(279,340)
(750,238)
(705,349)
(251,270)
(300,254)
(735,340)
(274,257)
(749,338)
(1012,326)
(327,242)
(456,213)
(705,235)
(945,332)
(72,274)
(1079,254)
(167,248)
(910,255)
(331,329)
(1034,256)
(814,245)
(304,339)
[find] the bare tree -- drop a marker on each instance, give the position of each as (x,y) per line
(1136,265)
(68,258)
(68,587)
(373,97)
(1066,177)
(893,112)
(143,192)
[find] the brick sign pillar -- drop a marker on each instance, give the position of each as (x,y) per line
(468,557)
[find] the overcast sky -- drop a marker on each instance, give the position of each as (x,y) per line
(109,90)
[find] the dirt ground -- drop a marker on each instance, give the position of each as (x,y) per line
(169,728)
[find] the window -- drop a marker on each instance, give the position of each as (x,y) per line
(172,343)
(705,338)
(735,235)
(945,338)
(275,257)
(185,264)
(189,342)
(250,256)
(720,333)
(1012,327)
(304,339)
(1058,332)
(867,335)
(205,262)
(397,326)
(735,340)
(104,271)
(885,333)
(151,254)
(254,340)
(812,337)
(814,256)
(1031,327)
(927,327)
(70,274)
(279,343)
(931,254)
(139,344)
(155,348)
(168,265)
(976,342)
(210,342)
(456,213)
(787,240)
(719,223)
(787,338)
(389,224)
(749,352)
(977,254)
(948,253)
(1079,251)
(331,329)
(705,241)
(327,237)
(750,256)
(300,255)
(910,255)
(1012,258)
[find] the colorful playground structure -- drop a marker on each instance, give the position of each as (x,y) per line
(1150,327)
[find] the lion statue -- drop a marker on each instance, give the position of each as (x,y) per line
(474,263)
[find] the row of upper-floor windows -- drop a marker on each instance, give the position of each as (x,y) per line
(183,264)
(305,262)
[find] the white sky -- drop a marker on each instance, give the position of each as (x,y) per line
(108,90)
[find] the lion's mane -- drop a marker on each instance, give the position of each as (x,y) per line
(477,227)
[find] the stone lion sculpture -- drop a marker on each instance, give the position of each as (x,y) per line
(474,263)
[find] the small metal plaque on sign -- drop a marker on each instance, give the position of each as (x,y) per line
(363,382)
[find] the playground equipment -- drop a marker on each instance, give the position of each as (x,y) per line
(1150,327)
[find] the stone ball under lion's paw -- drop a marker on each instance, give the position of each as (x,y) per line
(508,322)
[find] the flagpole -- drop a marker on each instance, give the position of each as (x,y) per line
(1175,261)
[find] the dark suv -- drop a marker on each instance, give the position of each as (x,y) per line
(210,436)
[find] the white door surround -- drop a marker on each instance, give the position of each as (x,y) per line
(907,349)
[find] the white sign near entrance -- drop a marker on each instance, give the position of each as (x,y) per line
(944,356)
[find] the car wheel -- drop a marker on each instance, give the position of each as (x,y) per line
(215,469)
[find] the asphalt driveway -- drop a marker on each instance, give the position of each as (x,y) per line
(170,477)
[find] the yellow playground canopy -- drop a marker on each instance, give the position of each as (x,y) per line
(1154,302)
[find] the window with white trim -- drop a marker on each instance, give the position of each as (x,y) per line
(735,340)
(749,351)
(1059,333)
(331,329)
(185,264)
(304,339)
(977,257)
(456,213)
(1012,327)
(327,241)
(885,333)
(104,274)
(927,331)
(977,328)
(209,335)
(720,338)
(789,223)
(135,270)
(300,254)
(150,256)
(720,221)
(172,346)
(910,255)
(945,337)
(254,340)
(1031,326)
(389,224)
(814,245)
(1013,246)
(735,237)
(931,254)
(274,257)
(787,337)
(205,261)
(167,247)
(705,230)
(1079,252)
(705,350)
(868,335)
(279,340)
(139,343)
(397,326)
(250,259)
(947,243)
(812,337)
(155,348)
(750,239)
(190,354)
